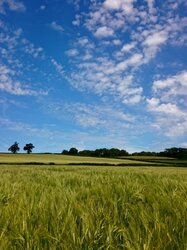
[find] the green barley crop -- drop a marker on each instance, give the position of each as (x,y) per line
(54,207)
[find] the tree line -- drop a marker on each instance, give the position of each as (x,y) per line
(180,153)
(14,148)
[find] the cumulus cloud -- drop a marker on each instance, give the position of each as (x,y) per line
(83,41)
(99,117)
(30,49)
(77,20)
(104,32)
(172,86)
(134,60)
(164,108)
(58,67)
(150,5)
(126,6)
(168,104)
(128,47)
(156,39)
(72,52)
(12,5)
(14,87)
(116,42)
(57,27)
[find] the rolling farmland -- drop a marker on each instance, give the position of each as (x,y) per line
(90,207)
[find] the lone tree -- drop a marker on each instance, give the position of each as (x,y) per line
(73,151)
(14,148)
(28,147)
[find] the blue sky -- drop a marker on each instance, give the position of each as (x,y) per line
(92,74)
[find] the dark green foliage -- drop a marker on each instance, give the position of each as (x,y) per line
(86,153)
(73,151)
(113,152)
(14,148)
(65,152)
(180,153)
(102,152)
(28,147)
(144,153)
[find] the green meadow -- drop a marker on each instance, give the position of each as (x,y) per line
(90,207)
(62,159)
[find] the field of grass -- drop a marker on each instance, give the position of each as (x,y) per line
(63,159)
(79,207)
(145,158)
(157,159)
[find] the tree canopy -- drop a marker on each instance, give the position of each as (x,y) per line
(14,148)
(28,147)
(180,153)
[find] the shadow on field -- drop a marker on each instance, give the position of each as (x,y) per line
(160,164)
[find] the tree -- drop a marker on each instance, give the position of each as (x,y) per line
(28,147)
(65,152)
(180,153)
(73,151)
(14,148)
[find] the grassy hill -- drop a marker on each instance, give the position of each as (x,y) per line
(157,159)
(65,159)
(58,159)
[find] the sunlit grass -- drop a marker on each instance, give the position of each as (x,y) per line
(61,159)
(44,207)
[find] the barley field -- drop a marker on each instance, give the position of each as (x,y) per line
(62,159)
(92,207)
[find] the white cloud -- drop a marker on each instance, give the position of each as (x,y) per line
(172,89)
(72,52)
(134,60)
(171,126)
(150,5)
(9,85)
(177,129)
(164,108)
(30,49)
(103,77)
(116,42)
(88,56)
(58,67)
(76,3)
(83,41)
(99,117)
(12,5)
(57,27)
(102,68)
(168,104)
(103,32)
(174,85)
(88,121)
(12,41)
(31,130)
(77,20)
(128,47)
(126,6)
(152,42)
(156,39)
(135,99)
(110,4)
